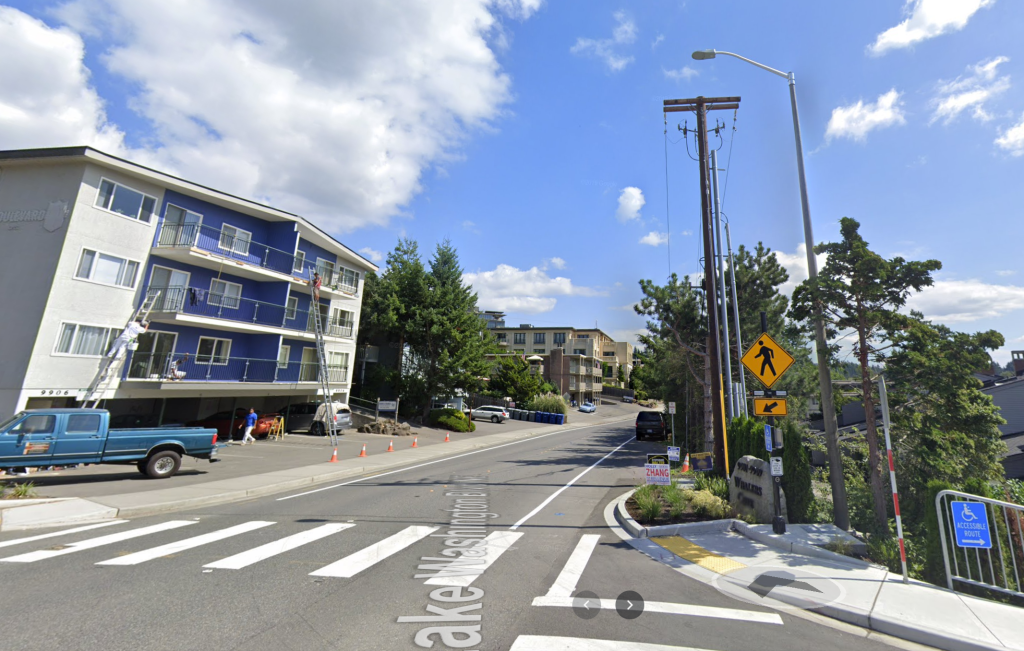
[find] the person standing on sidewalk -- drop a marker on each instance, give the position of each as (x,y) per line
(250,422)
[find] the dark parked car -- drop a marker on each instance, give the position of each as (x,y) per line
(221,421)
(651,424)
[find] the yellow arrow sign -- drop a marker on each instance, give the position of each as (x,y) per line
(767,360)
(770,407)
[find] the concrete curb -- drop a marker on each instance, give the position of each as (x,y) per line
(40,513)
(773,540)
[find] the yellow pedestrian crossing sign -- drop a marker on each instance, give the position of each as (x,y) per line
(767,360)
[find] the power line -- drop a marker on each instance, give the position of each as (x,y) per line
(728,159)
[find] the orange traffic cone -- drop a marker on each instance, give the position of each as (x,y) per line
(686,463)
(391,445)
(363,453)
(414,439)
(334,457)
(446,439)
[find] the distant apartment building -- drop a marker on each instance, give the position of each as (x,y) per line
(493,319)
(579,362)
(88,236)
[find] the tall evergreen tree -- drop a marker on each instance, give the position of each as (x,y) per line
(513,378)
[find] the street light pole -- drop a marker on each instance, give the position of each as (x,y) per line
(835,461)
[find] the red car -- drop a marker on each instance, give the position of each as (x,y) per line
(221,421)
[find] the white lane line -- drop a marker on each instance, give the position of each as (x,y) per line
(188,543)
(675,609)
(18,541)
(557,643)
(247,558)
(457,456)
(566,582)
(42,554)
(497,543)
(571,482)
(355,563)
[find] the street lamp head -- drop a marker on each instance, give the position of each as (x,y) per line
(700,55)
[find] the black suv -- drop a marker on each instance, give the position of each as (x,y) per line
(652,424)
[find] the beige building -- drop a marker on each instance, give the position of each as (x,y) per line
(579,362)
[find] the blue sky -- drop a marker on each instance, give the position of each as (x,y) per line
(527,131)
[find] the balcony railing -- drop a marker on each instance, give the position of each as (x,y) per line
(201,302)
(210,368)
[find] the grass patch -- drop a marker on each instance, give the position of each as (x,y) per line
(19,491)
(653,505)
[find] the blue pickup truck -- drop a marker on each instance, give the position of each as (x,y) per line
(61,437)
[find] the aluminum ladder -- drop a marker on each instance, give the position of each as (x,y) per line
(105,374)
(321,359)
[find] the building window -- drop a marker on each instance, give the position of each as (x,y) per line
(611,354)
(283,355)
(234,239)
(349,280)
(538,350)
(107,269)
(299,262)
(539,337)
(578,351)
(501,336)
(213,351)
(519,338)
(337,360)
(341,323)
(559,338)
(326,269)
(583,336)
(225,294)
(293,308)
(124,201)
(84,341)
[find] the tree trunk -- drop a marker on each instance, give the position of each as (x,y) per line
(874,457)
(709,409)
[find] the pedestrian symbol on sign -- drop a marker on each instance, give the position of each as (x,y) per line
(766,354)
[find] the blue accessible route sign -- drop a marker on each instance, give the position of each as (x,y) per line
(970,522)
(768,437)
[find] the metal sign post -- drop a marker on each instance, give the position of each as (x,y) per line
(672,419)
(883,397)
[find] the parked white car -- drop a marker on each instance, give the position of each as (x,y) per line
(342,418)
(491,413)
(588,408)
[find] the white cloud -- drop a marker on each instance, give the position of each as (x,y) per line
(970,92)
(470,226)
(371,254)
(627,334)
(796,265)
(521,9)
(657,41)
(605,49)
(1005,272)
(687,233)
(631,200)
(927,19)
(956,301)
(654,238)
(1012,140)
(857,120)
(683,74)
(529,291)
(557,263)
(331,110)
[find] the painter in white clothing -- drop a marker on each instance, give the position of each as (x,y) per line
(127,336)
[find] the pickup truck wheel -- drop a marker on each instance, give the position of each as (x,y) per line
(163,464)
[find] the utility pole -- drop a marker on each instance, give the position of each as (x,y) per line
(714,360)
(723,292)
(736,321)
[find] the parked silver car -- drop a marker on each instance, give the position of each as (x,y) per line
(491,413)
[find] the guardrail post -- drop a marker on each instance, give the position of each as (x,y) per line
(255,312)
(266,254)
(245,372)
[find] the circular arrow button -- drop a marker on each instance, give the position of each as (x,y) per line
(586,605)
(629,605)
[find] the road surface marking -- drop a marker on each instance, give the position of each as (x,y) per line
(497,543)
(457,456)
(245,559)
(18,541)
(566,582)
(32,557)
(364,558)
(697,555)
(571,482)
(690,610)
(188,543)
(557,643)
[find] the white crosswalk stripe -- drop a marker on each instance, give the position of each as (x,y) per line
(42,554)
(188,543)
(557,643)
(691,610)
(364,558)
(247,558)
(567,579)
(465,570)
(65,532)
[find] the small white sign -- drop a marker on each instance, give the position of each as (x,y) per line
(657,473)
(673,453)
(387,405)
(776,466)
(671,407)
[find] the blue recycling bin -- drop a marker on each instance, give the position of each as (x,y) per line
(544,417)
(561,419)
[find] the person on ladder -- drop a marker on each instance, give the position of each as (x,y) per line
(316,283)
(130,333)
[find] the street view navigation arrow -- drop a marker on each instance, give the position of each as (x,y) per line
(770,407)
(764,584)
(767,360)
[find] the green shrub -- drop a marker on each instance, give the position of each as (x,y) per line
(934,566)
(713,484)
(710,506)
(450,419)
(673,496)
(551,403)
(18,491)
(796,480)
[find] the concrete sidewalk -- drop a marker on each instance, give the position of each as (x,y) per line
(295,463)
(751,565)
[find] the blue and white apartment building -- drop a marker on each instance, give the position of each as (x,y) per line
(85,237)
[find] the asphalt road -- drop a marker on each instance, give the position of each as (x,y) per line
(353,587)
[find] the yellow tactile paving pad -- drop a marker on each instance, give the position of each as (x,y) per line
(696,554)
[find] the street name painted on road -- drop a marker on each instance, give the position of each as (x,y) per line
(970,522)
(767,360)
(770,407)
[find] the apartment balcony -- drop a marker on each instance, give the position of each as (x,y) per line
(201,307)
(159,367)
(574,370)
